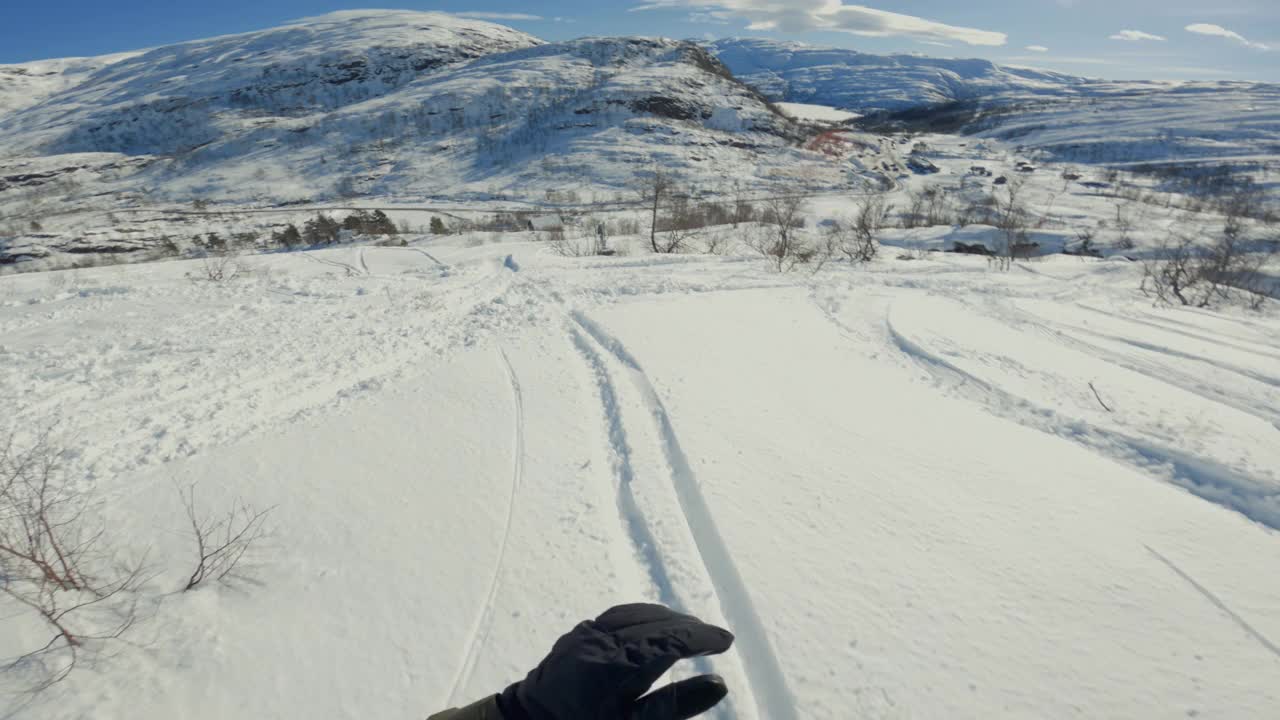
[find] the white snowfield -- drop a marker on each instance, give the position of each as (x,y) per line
(816,113)
(897,484)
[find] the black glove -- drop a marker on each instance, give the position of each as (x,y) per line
(601,668)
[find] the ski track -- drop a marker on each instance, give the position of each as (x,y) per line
(349,269)
(1217,602)
(479,635)
(633,519)
(364,265)
(1202,477)
(773,697)
(1160,373)
(1152,347)
(1164,326)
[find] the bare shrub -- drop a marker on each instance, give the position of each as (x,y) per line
(778,236)
(654,189)
(743,210)
(928,207)
(564,246)
(914,214)
(56,562)
(222,540)
(715,243)
(1011,218)
(856,236)
(1227,270)
(1173,273)
(220,266)
(624,226)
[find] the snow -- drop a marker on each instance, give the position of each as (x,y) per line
(863,82)
(917,487)
(816,113)
(894,482)
(26,84)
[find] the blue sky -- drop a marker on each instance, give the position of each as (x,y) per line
(1122,39)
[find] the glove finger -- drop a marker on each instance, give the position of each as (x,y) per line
(682,700)
(680,637)
(625,616)
(655,653)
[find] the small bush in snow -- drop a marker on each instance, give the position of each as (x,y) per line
(1231,269)
(222,541)
(855,236)
(219,266)
(779,237)
(57,564)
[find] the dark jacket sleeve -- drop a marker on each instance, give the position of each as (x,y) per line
(486,709)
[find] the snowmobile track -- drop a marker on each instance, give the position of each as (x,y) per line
(484,621)
(773,698)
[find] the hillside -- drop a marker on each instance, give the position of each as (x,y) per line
(1180,129)
(863,82)
(26,84)
(412,104)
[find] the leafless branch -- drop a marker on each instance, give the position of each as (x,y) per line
(55,561)
(221,541)
(1099,397)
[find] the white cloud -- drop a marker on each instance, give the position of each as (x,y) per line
(483,15)
(1136,36)
(834,16)
(1038,48)
(1219,31)
(715,17)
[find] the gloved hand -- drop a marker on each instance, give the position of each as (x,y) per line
(602,669)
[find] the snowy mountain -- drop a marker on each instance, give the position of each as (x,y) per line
(381,102)
(1173,127)
(862,82)
(175,98)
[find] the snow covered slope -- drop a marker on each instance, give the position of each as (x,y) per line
(399,103)
(168,100)
(862,82)
(913,489)
(1182,126)
(26,84)
(1165,125)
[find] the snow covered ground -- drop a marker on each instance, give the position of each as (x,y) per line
(914,488)
(816,113)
